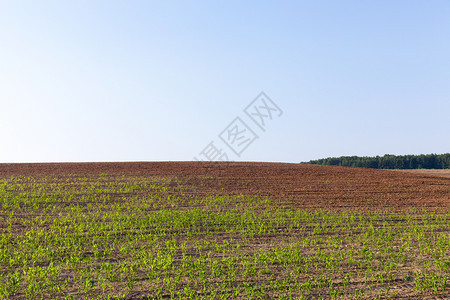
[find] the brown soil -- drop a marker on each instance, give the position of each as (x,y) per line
(307,186)
(430,172)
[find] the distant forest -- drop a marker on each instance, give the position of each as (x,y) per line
(388,161)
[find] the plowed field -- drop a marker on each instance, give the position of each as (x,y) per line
(433,172)
(307,186)
(230,230)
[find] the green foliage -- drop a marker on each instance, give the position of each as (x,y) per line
(388,161)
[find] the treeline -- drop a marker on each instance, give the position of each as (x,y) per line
(388,161)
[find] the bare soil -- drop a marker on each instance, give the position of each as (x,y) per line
(430,172)
(306,186)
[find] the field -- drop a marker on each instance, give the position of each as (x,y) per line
(441,173)
(225,230)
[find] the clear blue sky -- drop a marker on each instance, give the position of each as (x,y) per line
(159,80)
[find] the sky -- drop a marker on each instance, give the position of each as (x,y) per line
(171,80)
